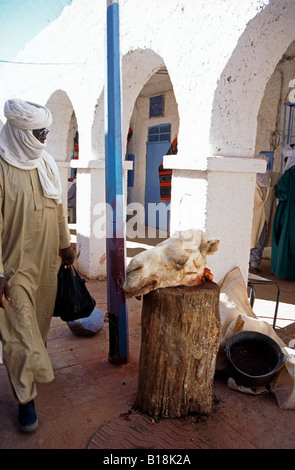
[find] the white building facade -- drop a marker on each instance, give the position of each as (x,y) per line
(214,64)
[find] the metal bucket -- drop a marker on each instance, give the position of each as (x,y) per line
(254,358)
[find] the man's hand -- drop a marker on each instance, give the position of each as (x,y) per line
(4,291)
(67,255)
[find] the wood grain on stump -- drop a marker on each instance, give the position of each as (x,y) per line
(181,332)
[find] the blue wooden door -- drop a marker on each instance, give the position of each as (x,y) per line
(154,157)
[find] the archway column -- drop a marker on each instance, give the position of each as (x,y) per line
(218,200)
(90,217)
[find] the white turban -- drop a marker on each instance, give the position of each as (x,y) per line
(27,115)
(20,148)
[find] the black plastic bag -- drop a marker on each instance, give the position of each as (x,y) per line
(73,300)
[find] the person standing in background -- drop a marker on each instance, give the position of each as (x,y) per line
(259,224)
(283,231)
(263,212)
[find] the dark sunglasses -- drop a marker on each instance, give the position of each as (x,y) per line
(41,133)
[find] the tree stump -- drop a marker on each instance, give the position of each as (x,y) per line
(181,332)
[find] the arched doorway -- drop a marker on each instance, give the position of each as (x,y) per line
(153,128)
(63,141)
(277,93)
(64,126)
(235,110)
(242,83)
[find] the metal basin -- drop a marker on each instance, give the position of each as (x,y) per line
(254,358)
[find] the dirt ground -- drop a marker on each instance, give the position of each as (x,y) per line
(89,405)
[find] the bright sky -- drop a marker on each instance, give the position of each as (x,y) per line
(21,20)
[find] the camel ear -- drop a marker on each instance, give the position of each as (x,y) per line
(209,247)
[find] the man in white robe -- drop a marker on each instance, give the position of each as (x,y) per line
(34,239)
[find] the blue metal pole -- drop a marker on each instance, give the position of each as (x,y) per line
(115,218)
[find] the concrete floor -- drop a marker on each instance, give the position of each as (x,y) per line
(89,405)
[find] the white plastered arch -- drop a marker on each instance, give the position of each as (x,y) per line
(62,129)
(243,80)
(137,67)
